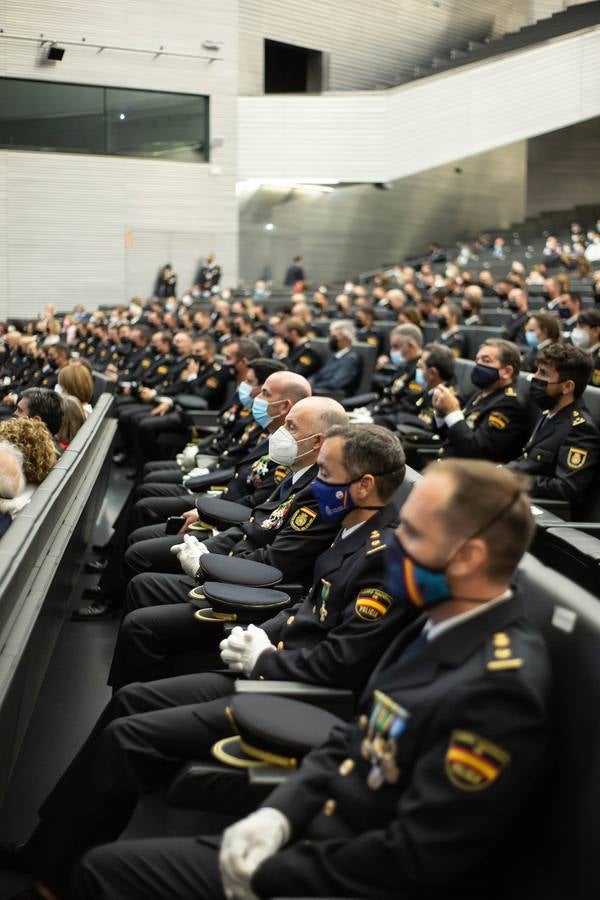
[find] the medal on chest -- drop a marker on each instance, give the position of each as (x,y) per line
(325,592)
(383,728)
(279,515)
(259,469)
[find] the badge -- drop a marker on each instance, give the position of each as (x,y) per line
(385,725)
(325,591)
(305,360)
(303,518)
(372,604)
(162,370)
(146,363)
(259,469)
(212,383)
(576,457)
(497,420)
(473,763)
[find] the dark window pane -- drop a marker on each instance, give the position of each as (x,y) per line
(146,123)
(72,118)
(46,115)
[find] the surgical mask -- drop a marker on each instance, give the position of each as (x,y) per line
(532,339)
(397,358)
(170,307)
(283,447)
(420,378)
(260,411)
(580,338)
(483,376)
(245,394)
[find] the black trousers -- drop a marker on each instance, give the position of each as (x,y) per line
(178,868)
(162,641)
(143,736)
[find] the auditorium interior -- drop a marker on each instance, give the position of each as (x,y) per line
(299,449)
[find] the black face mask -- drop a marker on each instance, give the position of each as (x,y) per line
(52,363)
(539,394)
(512,305)
(334,344)
(443,322)
(467,311)
(199,359)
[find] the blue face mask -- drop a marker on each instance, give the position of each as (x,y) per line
(532,339)
(397,358)
(564,312)
(410,583)
(334,500)
(245,394)
(260,411)
(420,378)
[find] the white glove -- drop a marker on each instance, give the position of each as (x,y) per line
(246,845)
(187,457)
(198,470)
(241,657)
(189,552)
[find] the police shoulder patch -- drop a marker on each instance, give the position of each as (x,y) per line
(303,518)
(305,360)
(415,387)
(146,363)
(472,762)
(372,340)
(576,457)
(212,382)
(162,370)
(497,420)
(510,392)
(372,604)
(456,352)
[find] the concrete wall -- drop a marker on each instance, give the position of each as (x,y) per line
(368,46)
(563,168)
(354,228)
(95,229)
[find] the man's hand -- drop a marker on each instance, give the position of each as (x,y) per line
(241,651)
(444,400)
(191,370)
(191,516)
(147,394)
(189,553)
(161,409)
(246,845)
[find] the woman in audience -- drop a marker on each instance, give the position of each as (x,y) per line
(542,329)
(14,493)
(34,441)
(73,418)
(76,380)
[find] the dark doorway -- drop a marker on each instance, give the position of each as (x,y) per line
(292,70)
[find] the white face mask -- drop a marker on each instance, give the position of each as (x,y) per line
(580,338)
(283,447)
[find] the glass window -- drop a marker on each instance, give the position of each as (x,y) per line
(74,118)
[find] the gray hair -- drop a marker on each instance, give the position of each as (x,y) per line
(12,479)
(345,327)
(409,333)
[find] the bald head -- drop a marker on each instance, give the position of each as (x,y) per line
(308,422)
(282,390)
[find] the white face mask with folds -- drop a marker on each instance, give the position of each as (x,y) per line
(283,447)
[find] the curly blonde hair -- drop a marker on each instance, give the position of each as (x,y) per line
(35,443)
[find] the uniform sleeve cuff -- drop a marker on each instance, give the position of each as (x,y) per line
(453,417)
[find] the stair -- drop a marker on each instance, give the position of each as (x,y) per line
(571,19)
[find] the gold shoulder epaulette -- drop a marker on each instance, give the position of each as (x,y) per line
(502,658)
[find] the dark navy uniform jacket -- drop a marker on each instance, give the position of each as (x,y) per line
(475,706)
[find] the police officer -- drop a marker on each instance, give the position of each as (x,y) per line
(424,793)
(288,531)
(435,367)
(336,635)
(586,335)
(450,315)
(562,454)
(493,423)
(400,397)
(302,357)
